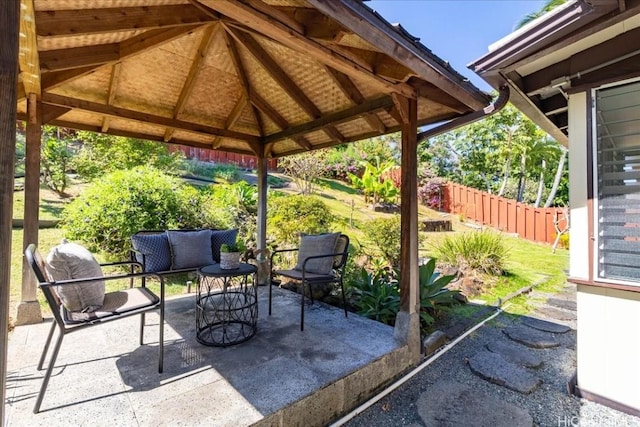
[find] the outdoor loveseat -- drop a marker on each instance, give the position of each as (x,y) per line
(179,251)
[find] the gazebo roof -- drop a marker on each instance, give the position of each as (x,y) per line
(260,77)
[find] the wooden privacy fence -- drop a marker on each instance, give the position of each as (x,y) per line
(535,224)
(209,155)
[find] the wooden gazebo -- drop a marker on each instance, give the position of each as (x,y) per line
(267,78)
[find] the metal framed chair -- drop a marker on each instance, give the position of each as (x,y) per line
(306,278)
(117,305)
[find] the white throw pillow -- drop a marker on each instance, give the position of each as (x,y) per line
(73,261)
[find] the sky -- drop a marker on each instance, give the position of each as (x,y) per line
(457,31)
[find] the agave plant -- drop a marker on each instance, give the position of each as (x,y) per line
(376,297)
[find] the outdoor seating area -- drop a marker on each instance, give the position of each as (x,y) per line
(280,375)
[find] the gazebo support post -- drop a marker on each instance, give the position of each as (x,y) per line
(407,327)
(29,310)
(262,203)
(9,21)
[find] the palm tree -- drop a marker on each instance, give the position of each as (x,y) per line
(548,6)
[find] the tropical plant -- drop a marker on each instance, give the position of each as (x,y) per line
(435,298)
(373,185)
(375,296)
(483,251)
(548,6)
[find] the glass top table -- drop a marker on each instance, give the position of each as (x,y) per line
(226,305)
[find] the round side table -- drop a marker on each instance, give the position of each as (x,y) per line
(226,305)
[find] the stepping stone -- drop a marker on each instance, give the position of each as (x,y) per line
(494,368)
(451,404)
(556,313)
(543,325)
(515,353)
(531,337)
(563,303)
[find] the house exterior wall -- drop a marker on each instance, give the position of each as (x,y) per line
(608,347)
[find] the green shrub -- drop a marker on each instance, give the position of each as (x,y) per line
(119,204)
(385,234)
(288,216)
(227,172)
(482,251)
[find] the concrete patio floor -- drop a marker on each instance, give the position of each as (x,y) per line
(103,377)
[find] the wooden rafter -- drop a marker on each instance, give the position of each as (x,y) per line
(52,23)
(283,80)
(391,43)
(331,119)
(113,85)
(28,52)
(143,117)
(194,70)
(256,100)
(127,49)
(280,32)
(352,92)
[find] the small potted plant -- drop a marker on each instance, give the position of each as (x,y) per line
(230,255)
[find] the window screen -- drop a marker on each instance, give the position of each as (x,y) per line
(618,181)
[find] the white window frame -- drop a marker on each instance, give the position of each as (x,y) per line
(594,174)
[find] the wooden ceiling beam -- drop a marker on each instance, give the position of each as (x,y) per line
(77,57)
(278,31)
(80,21)
(52,112)
(437,95)
(283,79)
(28,53)
(352,92)
(111,96)
(194,70)
(331,119)
(127,49)
(95,107)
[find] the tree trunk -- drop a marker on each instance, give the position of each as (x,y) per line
(507,172)
(521,179)
(507,167)
(558,177)
(541,184)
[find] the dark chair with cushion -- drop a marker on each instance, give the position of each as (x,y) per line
(115,305)
(321,259)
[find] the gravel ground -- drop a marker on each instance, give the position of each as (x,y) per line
(549,404)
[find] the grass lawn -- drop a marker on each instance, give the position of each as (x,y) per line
(527,263)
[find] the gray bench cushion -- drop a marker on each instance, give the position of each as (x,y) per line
(190,249)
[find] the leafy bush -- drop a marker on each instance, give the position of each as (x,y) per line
(102,154)
(385,234)
(376,296)
(236,206)
(288,216)
(482,251)
(119,204)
